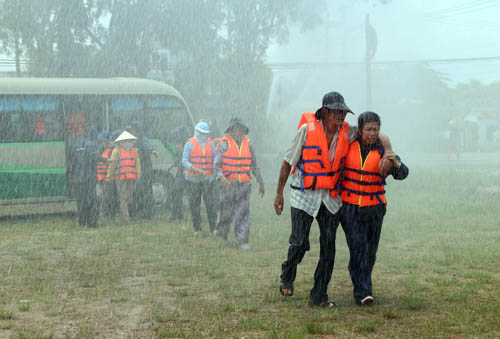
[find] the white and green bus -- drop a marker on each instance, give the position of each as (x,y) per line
(41,119)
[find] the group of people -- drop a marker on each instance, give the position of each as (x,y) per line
(117,167)
(220,171)
(338,176)
(113,175)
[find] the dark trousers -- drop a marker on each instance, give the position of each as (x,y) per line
(86,202)
(299,245)
(177,194)
(195,191)
(362,227)
(142,202)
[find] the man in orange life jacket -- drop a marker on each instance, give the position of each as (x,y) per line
(235,161)
(125,166)
(317,153)
(197,160)
(364,203)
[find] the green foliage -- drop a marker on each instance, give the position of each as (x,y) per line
(218,46)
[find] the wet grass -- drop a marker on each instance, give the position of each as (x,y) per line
(436,274)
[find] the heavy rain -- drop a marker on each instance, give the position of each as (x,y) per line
(249,168)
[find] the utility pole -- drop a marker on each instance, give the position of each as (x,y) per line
(17,53)
(371,47)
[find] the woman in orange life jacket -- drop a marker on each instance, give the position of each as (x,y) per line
(125,166)
(364,203)
(318,151)
(197,160)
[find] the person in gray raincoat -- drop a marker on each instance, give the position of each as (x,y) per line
(235,162)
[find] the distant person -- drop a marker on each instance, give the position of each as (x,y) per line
(235,163)
(197,160)
(142,203)
(316,154)
(179,135)
(453,140)
(40,128)
(125,165)
(364,203)
(75,127)
(104,194)
(85,179)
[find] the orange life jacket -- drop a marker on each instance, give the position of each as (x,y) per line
(237,161)
(362,184)
(201,157)
(102,166)
(40,124)
(76,124)
(127,166)
(314,163)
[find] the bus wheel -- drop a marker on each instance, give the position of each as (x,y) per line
(160,191)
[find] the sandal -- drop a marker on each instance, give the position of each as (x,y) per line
(327,304)
(286,291)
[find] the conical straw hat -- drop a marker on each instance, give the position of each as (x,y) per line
(125,136)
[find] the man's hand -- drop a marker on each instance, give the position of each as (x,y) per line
(284,173)
(197,171)
(385,164)
(224,182)
(155,153)
(262,190)
(278,203)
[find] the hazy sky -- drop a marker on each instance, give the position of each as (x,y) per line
(407,30)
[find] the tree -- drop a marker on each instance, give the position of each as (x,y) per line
(219,45)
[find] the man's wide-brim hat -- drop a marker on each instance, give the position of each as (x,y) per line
(335,101)
(125,136)
(236,122)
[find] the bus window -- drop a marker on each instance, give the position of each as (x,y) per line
(167,113)
(40,121)
(124,110)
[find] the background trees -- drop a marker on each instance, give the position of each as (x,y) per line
(214,49)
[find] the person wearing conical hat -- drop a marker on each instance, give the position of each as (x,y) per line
(125,166)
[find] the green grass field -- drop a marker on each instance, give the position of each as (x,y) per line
(437,273)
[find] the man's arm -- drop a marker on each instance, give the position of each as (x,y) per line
(113,161)
(256,170)
(291,157)
(385,164)
(278,200)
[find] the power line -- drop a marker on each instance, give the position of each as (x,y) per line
(322,65)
